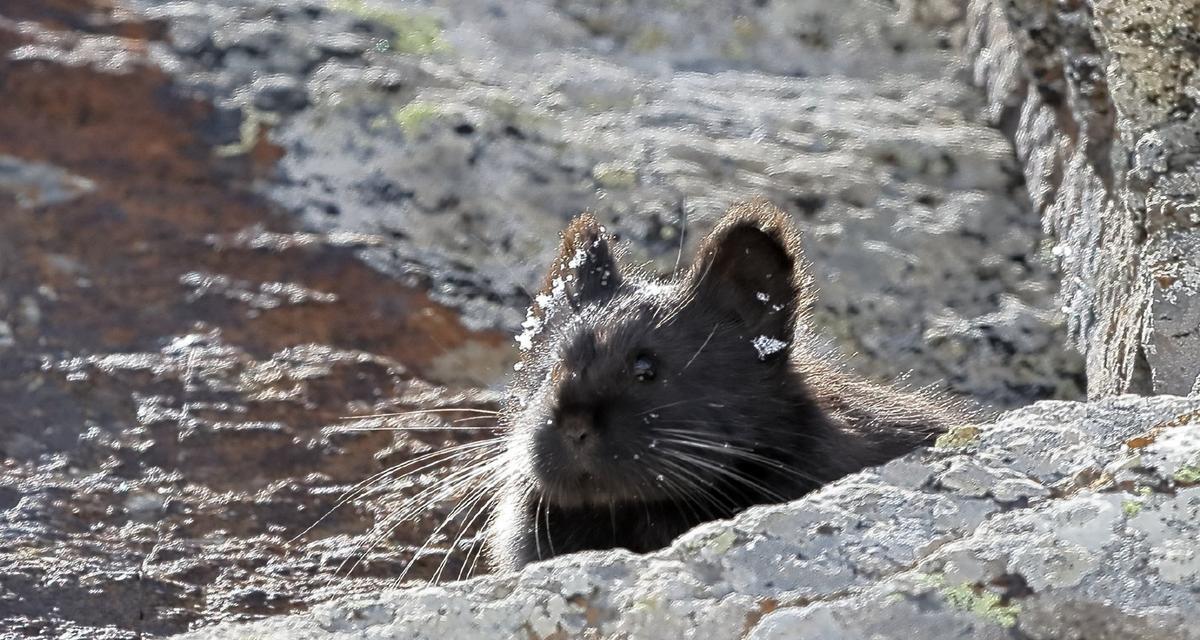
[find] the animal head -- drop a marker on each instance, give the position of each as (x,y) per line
(632,389)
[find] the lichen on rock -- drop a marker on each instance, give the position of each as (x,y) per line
(1105,94)
(866,557)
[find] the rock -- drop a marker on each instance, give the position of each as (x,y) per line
(1171,333)
(278,93)
(172,337)
(867,557)
(1108,133)
(467,134)
(35,184)
(254,37)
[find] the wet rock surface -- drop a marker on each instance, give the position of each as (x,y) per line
(1060,520)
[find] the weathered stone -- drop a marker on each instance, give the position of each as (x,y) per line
(1171,333)
(857,122)
(1109,137)
(278,93)
(34,184)
(866,557)
(446,144)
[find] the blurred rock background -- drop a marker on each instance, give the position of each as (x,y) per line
(467,133)
(228,223)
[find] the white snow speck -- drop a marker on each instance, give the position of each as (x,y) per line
(767,346)
(578,259)
(532,326)
(762,297)
(544,301)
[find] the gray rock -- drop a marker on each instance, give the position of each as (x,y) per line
(255,37)
(35,184)
(278,93)
(468,133)
(1109,138)
(882,554)
(1171,334)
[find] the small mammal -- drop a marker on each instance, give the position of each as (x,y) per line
(643,408)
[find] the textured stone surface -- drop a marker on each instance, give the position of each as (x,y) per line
(1104,97)
(1060,520)
(172,373)
(466,134)
(177,357)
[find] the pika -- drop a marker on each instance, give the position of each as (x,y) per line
(643,407)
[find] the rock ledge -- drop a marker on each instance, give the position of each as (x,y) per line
(1060,520)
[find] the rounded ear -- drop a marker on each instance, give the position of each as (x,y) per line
(585,269)
(752,267)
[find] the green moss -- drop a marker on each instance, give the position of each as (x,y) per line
(412,33)
(253,124)
(745,33)
(414,117)
(723,542)
(614,176)
(983,603)
(958,437)
(1189,474)
(649,39)
(745,29)
(1131,507)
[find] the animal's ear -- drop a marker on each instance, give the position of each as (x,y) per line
(752,267)
(585,269)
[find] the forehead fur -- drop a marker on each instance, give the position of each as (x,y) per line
(634,311)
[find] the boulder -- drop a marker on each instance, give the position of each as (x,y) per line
(1059,520)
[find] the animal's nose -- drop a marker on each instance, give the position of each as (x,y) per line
(576,427)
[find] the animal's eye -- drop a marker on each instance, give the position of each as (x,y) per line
(643,367)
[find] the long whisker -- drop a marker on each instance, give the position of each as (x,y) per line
(549,537)
(467,505)
(537,539)
(452,427)
(666,406)
(363,486)
(437,492)
(714,494)
(682,238)
(693,489)
(417,412)
(695,439)
(704,344)
(726,472)
(479,544)
(389,524)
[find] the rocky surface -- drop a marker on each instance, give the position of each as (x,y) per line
(1103,98)
(1060,520)
(175,357)
(426,123)
(227,224)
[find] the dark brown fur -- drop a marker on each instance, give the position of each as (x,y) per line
(642,409)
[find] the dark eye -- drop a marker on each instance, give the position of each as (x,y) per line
(643,367)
